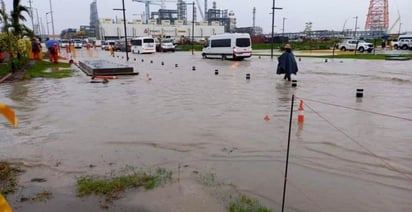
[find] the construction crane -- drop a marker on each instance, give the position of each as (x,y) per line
(397,21)
(200,10)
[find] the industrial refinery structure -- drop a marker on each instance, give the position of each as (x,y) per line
(166,22)
(169,22)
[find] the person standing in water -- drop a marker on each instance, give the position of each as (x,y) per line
(111,50)
(287,64)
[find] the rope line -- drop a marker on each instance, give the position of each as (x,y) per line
(361,110)
(385,163)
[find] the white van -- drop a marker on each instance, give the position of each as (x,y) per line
(228,45)
(142,45)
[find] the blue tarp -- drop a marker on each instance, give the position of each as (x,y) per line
(50,43)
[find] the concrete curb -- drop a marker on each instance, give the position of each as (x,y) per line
(5,77)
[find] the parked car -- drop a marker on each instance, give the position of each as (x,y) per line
(405,43)
(63,43)
(353,44)
(395,44)
(120,46)
(78,44)
(167,45)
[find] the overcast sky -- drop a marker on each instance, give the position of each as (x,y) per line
(324,14)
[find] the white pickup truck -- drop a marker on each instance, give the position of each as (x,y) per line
(359,45)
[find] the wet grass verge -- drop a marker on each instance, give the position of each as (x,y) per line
(8,178)
(111,187)
(243,203)
(234,200)
(46,69)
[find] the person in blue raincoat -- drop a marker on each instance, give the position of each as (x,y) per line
(287,64)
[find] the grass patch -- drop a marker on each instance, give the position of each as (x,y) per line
(46,69)
(111,187)
(246,204)
(4,69)
(342,55)
(234,200)
(8,178)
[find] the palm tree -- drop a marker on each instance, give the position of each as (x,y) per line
(17,16)
(4,17)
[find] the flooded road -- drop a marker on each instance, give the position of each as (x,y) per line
(350,154)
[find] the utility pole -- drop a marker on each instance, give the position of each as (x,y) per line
(283,28)
(273,25)
(125,29)
(193,26)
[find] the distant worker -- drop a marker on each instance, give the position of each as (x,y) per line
(287,64)
(111,50)
(67,47)
(54,52)
(35,48)
(72,50)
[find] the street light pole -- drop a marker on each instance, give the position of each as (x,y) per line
(125,29)
(31,16)
(51,14)
(273,23)
(356,25)
(47,23)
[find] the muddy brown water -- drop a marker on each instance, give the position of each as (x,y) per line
(350,154)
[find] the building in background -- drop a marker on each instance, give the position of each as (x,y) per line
(94,20)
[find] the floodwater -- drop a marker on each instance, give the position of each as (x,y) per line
(350,154)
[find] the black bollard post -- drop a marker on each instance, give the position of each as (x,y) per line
(216,72)
(326,60)
(142,60)
(359,93)
(151,61)
(294,83)
(193,68)
(163,63)
(176,65)
(248,76)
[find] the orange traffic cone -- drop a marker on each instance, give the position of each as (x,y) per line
(301,117)
(8,113)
